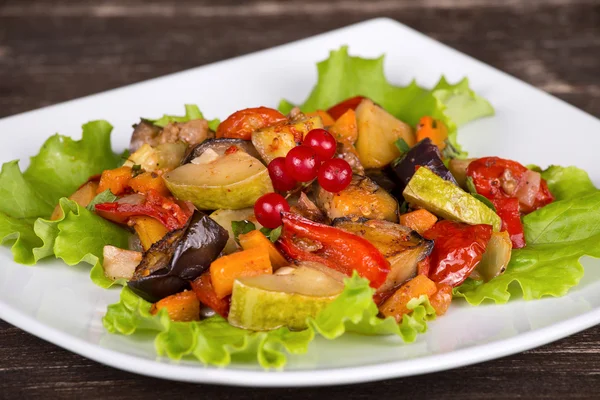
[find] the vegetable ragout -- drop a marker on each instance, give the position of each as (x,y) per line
(285,223)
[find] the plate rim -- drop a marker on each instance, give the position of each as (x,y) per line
(301,378)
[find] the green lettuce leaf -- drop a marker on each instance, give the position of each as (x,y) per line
(568,182)
(28,199)
(63,164)
(81,237)
(214,341)
(557,236)
(191,112)
(342,76)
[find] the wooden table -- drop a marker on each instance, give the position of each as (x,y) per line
(50,53)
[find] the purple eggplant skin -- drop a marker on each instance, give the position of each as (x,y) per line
(423,154)
(181,256)
(220,146)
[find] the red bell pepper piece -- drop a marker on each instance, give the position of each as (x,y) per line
(457,250)
(304,240)
(172,214)
(205,292)
(349,104)
(508,211)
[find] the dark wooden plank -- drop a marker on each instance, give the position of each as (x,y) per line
(569,369)
(48,54)
(60,50)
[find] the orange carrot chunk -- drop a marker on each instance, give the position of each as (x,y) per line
(397,305)
(182,306)
(225,270)
(256,239)
(419,220)
(116,180)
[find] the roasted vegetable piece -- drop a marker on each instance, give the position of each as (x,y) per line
(341,108)
(496,256)
(362,198)
(213,181)
(447,200)
(256,239)
(119,263)
(457,251)
(495,177)
(221,146)
(271,301)
(508,211)
(345,129)
(305,240)
(116,180)
(402,247)
(308,209)
(458,169)
(432,129)
(441,299)
(181,307)
(225,270)
(148,230)
(143,133)
(419,220)
(397,305)
(423,154)
(171,213)
(163,157)
(277,140)
(242,123)
(205,292)
(181,256)
(226,217)
(145,181)
(377,132)
(82,196)
(382,178)
(324,115)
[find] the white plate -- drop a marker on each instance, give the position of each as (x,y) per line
(59,303)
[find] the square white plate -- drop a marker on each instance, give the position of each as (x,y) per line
(60,304)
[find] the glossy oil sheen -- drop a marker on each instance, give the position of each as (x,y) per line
(61,305)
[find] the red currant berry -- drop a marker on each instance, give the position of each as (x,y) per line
(282,181)
(301,163)
(322,142)
(335,175)
(268,209)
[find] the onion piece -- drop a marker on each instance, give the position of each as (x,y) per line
(529,188)
(119,263)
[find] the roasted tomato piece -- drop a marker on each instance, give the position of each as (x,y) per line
(496,177)
(241,124)
(457,250)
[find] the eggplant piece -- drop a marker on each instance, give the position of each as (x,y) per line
(423,154)
(400,245)
(382,178)
(362,198)
(219,146)
(182,255)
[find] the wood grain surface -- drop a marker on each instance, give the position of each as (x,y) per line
(53,51)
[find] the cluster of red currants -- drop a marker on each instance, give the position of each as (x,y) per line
(313,159)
